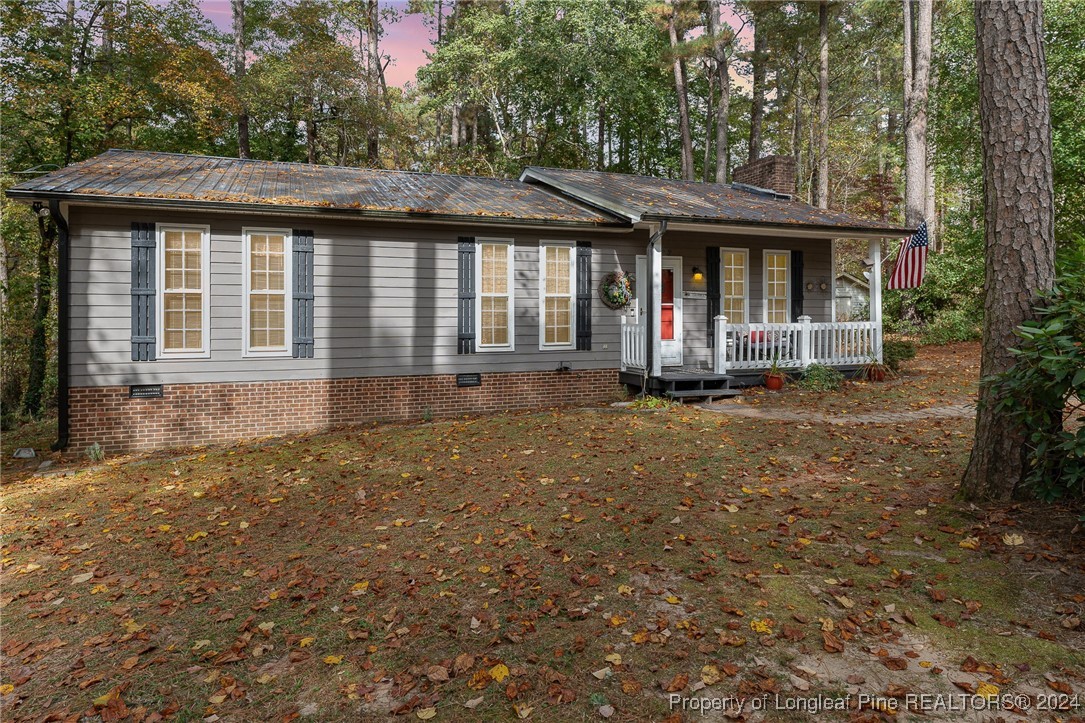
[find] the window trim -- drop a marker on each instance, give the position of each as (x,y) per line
(247,351)
(511,293)
(543,345)
(160,290)
(765,287)
(745,282)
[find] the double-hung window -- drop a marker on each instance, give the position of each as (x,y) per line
(184,291)
(734,270)
(266,319)
(496,294)
(557,286)
(777,281)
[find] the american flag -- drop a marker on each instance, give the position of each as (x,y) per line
(911,260)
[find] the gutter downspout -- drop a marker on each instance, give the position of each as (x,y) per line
(649,322)
(63,322)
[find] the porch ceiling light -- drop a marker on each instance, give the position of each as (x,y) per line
(697,275)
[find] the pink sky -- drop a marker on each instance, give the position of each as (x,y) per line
(407,40)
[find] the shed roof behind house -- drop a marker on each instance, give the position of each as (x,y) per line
(643,197)
(176,179)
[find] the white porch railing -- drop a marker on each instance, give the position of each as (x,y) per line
(795,346)
(756,346)
(634,341)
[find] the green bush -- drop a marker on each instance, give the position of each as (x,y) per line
(1046,386)
(818,378)
(897,351)
(957,324)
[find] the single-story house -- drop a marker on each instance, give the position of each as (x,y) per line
(852,296)
(208,299)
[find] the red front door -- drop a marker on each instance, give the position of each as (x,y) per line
(666,315)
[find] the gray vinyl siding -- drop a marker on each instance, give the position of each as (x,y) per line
(385,302)
(385,299)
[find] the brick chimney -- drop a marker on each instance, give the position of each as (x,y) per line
(776,173)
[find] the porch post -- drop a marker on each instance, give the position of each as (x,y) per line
(876,294)
(720,349)
(655,297)
(804,341)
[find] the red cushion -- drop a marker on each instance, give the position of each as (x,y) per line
(757,336)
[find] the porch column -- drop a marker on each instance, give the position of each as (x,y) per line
(876,294)
(655,311)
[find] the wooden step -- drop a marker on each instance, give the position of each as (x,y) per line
(702,393)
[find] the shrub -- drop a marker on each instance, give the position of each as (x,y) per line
(819,378)
(1046,387)
(95,453)
(963,323)
(897,351)
(650,402)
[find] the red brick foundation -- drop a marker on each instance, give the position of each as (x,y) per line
(190,414)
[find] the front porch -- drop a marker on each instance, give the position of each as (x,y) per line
(669,351)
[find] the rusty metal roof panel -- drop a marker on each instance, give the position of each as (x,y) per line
(135,176)
(639,197)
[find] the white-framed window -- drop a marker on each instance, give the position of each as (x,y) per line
(184,291)
(495,300)
(777,286)
(735,285)
(557,292)
(266,318)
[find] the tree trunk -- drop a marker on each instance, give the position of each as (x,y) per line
(683,102)
(373,81)
(757,110)
(823,106)
(238,8)
(706,166)
(1015,124)
(723,80)
(43,294)
(917,64)
(311,134)
(455,132)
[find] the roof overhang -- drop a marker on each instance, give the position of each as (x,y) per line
(330,212)
(778,229)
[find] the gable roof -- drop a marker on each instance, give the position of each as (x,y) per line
(178,180)
(644,198)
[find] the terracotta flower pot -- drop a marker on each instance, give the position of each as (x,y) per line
(876,374)
(774,382)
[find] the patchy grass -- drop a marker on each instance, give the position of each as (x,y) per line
(545,565)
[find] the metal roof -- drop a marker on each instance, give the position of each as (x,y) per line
(639,198)
(177,180)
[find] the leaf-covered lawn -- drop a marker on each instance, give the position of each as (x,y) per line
(566,565)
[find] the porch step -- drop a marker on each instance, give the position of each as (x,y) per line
(708,394)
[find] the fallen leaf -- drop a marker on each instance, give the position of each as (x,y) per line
(425,713)
(499,672)
(333,659)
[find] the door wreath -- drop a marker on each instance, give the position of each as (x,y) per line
(616,289)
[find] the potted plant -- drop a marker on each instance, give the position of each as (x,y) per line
(774,377)
(874,370)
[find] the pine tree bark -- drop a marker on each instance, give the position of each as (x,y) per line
(373,80)
(723,80)
(918,20)
(240,50)
(823,106)
(1015,124)
(757,109)
(680,87)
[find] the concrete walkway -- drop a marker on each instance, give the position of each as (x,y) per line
(738,409)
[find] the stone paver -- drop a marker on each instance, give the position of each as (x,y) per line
(738,409)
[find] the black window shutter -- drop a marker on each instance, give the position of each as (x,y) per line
(712,291)
(796,285)
(303,296)
(465,307)
(143,292)
(583,296)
